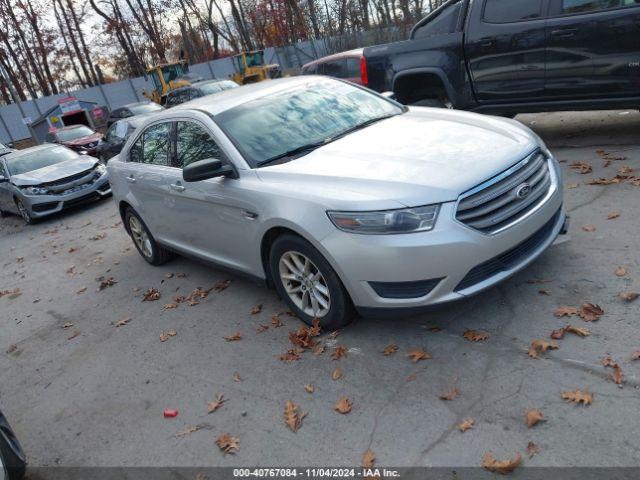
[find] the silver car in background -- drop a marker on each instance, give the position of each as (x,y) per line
(39,181)
(341,199)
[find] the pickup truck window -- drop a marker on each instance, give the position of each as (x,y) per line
(444,23)
(509,11)
(579,6)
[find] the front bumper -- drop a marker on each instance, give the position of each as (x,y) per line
(462,260)
(43,205)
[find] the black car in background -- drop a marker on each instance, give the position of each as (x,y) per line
(117,135)
(12,459)
(131,110)
(515,56)
(197,90)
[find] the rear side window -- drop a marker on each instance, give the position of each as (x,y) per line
(579,6)
(446,22)
(310,70)
(353,67)
(153,146)
(336,68)
(194,143)
(508,11)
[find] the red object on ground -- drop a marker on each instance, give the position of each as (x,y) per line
(170,413)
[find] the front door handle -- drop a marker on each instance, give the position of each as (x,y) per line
(564,32)
(130,179)
(177,187)
(487,42)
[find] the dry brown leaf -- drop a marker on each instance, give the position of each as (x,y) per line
(578,396)
(11,294)
(608,362)
(303,337)
(590,312)
(467,424)
(589,228)
(12,348)
(150,295)
(337,374)
(216,404)
(292,417)
(164,336)
(237,377)
(533,416)
(368,459)
(82,290)
(343,405)
(222,285)
(580,331)
(625,170)
(309,388)
(474,336)
(338,352)
(334,334)
(565,311)
(169,306)
(234,338)
(629,296)
(544,291)
(319,350)
(532,449)
(417,354)
(621,271)
(618,376)
(614,214)
(389,350)
(227,443)
(557,334)
(315,329)
(501,466)
(262,328)
(71,271)
(106,283)
(450,395)
(168,275)
(540,345)
(256,309)
(582,167)
(276,322)
(188,431)
(291,355)
(181,275)
(122,322)
(98,236)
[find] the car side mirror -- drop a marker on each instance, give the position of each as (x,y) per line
(205,169)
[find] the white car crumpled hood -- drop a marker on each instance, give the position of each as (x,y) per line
(424,156)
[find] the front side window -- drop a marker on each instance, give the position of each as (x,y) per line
(445,22)
(38,159)
(508,11)
(153,146)
(194,143)
(580,6)
(3,172)
(311,112)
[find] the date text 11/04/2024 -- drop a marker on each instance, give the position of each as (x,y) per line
(314,473)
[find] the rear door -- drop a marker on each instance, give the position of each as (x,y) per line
(505,48)
(593,49)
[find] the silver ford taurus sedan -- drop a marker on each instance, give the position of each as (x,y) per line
(341,199)
(39,181)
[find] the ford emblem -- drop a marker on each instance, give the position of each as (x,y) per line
(523,191)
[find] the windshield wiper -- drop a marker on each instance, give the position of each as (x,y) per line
(362,125)
(295,151)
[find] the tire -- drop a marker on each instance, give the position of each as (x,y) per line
(12,456)
(24,213)
(326,298)
(430,102)
(3,214)
(146,245)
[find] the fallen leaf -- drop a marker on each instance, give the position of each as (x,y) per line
(635,355)
(82,290)
(181,275)
(565,311)
(532,449)
(105,283)
(276,322)
(12,348)
(390,349)
(571,185)
(418,354)
(501,466)
(234,338)
(625,170)
(187,431)
(343,405)
(618,376)
(589,228)
(71,271)
(315,329)
(337,374)
(122,322)
(262,328)
(614,214)
(578,396)
(150,295)
(580,331)
(540,345)
(558,334)
(164,336)
(237,377)
(303,337)
(67,325)
(74,335)
(582,167)
(334,334)
(319,350)
(338,352)
(292,417)
(629,296)
(590,312)
(11,294)
(533,416)
(368,459)
(291,355)
(544,291)
(474,336)
(608,362)
(169,306)
(621,271)
(222,285)
(466,424)
(450,395)
(98,236)
(168,275)
(256,309)
(227,443)
(216,404)
(309,388)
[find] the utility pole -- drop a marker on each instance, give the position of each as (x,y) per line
(17,101)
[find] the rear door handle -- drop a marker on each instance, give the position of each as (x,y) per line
(564,32)
(487,42)
(130,179)
(177,187)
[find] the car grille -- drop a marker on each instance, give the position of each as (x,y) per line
(496,203)
(73,183)
(509,259)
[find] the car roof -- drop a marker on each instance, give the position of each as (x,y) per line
(211,80)
(356,52)
(36,148)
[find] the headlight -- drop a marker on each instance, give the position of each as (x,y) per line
(35,191)
(409,220)
(101,169)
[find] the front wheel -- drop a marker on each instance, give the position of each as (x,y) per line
(24,212)
(308,284)
(144,241)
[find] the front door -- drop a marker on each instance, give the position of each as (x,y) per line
(505,46)
(593,48)
(6,198)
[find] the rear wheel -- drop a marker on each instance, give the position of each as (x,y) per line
(306,281)
(144,241)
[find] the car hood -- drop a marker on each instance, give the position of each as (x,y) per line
(56,172)
(83,140)
(424,156)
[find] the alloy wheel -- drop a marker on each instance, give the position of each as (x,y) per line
(23,212)
(305,284)
(140,236)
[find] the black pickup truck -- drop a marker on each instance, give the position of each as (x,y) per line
(514,56)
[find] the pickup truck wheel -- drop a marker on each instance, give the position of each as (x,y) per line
(308,284)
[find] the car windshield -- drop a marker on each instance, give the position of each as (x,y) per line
(215,87)
(145,108)
(73,133)
(27,162)
(269,127)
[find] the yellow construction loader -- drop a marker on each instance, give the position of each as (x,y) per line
(166,77)
(250,68)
